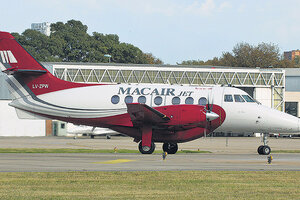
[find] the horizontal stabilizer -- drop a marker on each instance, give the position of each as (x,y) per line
(12,71)
(141,113)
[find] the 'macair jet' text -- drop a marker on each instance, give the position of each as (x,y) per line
(151,91)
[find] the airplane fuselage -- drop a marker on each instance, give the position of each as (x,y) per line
(104,101)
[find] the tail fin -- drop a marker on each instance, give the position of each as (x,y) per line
(27,74)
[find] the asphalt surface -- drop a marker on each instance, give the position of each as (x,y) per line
(135,162)
(227,154)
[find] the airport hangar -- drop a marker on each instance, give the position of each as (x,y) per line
(265,85)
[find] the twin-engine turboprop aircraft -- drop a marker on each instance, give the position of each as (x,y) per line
(147,112)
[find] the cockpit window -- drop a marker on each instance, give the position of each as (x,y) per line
(238,98)
(228,98)
(248,98)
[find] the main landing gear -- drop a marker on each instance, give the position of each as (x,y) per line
(264,149)
(147,146)
(146,149)
(170,148)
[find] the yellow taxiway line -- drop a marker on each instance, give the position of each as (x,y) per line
(114,161)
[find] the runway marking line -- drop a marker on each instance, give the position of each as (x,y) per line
(114,161)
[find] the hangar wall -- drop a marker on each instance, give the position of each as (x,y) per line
(292,94)
(263,95)
(11,125)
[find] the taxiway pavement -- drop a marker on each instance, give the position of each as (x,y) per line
(227,154)
(61,162)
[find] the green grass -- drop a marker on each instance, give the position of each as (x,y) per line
(32,150)
(151,185)
(285,151)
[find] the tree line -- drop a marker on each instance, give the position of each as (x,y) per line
(263,55)
(70,42)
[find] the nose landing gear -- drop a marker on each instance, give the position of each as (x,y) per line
(264,149)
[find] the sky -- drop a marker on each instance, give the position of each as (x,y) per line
(172,30)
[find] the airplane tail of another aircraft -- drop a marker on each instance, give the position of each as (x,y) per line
(26,76)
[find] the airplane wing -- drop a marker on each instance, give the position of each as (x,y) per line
(143,114)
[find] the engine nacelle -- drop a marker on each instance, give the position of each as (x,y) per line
(184,114)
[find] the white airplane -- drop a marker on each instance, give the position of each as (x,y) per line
(76,130)
(147,112)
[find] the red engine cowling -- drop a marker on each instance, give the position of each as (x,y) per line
(183,114)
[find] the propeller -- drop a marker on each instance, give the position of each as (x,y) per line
(210,115)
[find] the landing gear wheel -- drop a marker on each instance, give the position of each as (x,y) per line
(264,150)
(259,149)
(145,149)
(170,148)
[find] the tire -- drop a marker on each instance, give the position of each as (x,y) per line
(150,151)
(266,150)
(259,150)
(170,148)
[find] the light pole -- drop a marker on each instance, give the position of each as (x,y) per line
(108,56)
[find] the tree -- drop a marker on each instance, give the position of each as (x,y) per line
(245,55)
(70,42)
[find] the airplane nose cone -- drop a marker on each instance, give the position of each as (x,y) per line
(211,116)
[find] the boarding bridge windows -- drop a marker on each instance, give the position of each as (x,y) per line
(238,98)
(228,98)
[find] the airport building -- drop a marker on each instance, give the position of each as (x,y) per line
(265,85)
(44,27)
(292,91)
(291,55)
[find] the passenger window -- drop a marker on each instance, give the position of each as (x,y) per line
(228,98)
(238,98)
(142,99)
(128,99)
(248,98)
(115,99)
(176,101)
(157,100)
(189,100)
(202,101)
